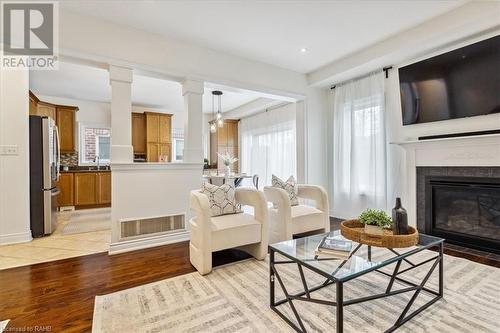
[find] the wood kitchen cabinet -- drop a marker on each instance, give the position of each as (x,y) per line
(139,133)
(66,125)
(44,109)
(104,187)
(152,127)
(65,186)
(63,115)
(152,135)
(225,140)
(92,189)
(86,188)
(158,136)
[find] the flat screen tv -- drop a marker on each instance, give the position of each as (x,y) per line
(462,83)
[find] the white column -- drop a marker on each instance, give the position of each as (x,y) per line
(120,79)
(193,121)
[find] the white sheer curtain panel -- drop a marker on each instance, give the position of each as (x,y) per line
(267,144)
(359,146)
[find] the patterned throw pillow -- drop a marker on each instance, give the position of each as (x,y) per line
(221,199)
(290,186)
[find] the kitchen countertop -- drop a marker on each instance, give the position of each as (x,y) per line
(85,169)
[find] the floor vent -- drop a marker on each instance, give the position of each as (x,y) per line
(138,228)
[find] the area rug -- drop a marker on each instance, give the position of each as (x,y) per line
(235,298)
(3,325)
(88,220)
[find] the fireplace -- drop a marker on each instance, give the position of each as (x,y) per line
(460,204)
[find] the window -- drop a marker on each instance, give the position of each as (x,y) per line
(178,144)
(95,140)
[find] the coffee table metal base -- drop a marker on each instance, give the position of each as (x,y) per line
(339,303)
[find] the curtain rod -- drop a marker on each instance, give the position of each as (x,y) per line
(385,69)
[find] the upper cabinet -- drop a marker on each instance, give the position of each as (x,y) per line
(139,133)
(66,125)
(152,135)
(63,115)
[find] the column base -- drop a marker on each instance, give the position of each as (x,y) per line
(122,154)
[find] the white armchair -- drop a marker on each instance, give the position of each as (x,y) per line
(244,231)
(286,220)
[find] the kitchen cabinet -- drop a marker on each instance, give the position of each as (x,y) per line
(86,188)
(139,133)
(225,140)
(91,188)
(158,136)
(153,152)
(48,110)
(63,115)
(104,187)
(66,125)
(152,127)
(65,186)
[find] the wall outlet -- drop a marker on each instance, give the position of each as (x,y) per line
(8,150)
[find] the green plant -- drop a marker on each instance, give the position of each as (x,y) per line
(378,218)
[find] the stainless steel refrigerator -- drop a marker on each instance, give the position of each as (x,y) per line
(44,173)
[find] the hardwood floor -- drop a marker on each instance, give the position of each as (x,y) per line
(60,294)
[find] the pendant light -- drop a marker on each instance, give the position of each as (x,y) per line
(217,120)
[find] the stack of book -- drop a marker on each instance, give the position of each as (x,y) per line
(334,246)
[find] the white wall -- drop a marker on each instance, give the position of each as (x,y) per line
(153,187)
(14,170)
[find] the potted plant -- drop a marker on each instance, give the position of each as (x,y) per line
(227,159)
(375,221)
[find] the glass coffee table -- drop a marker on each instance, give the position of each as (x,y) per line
(301,252)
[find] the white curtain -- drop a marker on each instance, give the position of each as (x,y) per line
(267,144)
(359,146)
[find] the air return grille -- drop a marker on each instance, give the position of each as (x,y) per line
(151,226)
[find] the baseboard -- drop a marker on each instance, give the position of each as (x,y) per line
(147,242)
(21,237)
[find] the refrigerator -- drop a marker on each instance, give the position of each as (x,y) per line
(44,173)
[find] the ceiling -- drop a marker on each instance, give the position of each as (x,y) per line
(92,84)
(274,31)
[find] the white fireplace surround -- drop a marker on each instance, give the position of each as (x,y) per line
(478,150)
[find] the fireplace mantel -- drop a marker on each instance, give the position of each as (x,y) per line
(478,150)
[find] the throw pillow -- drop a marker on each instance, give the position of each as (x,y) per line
(221,199)
(290,186)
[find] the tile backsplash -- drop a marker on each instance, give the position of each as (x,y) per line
(69,159)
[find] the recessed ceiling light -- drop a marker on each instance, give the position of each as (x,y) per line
(303,50)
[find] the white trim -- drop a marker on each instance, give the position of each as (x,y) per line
(458,138)
(145,243)
(156,166)
(21,237)
(81,142)
(476,151)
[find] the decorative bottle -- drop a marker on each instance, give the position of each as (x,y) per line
(399,219)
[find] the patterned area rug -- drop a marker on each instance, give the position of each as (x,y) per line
(235,298)
(88,220)
(3,325)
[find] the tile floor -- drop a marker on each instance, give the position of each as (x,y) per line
(54,247)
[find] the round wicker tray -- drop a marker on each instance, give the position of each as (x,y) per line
(354,230)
